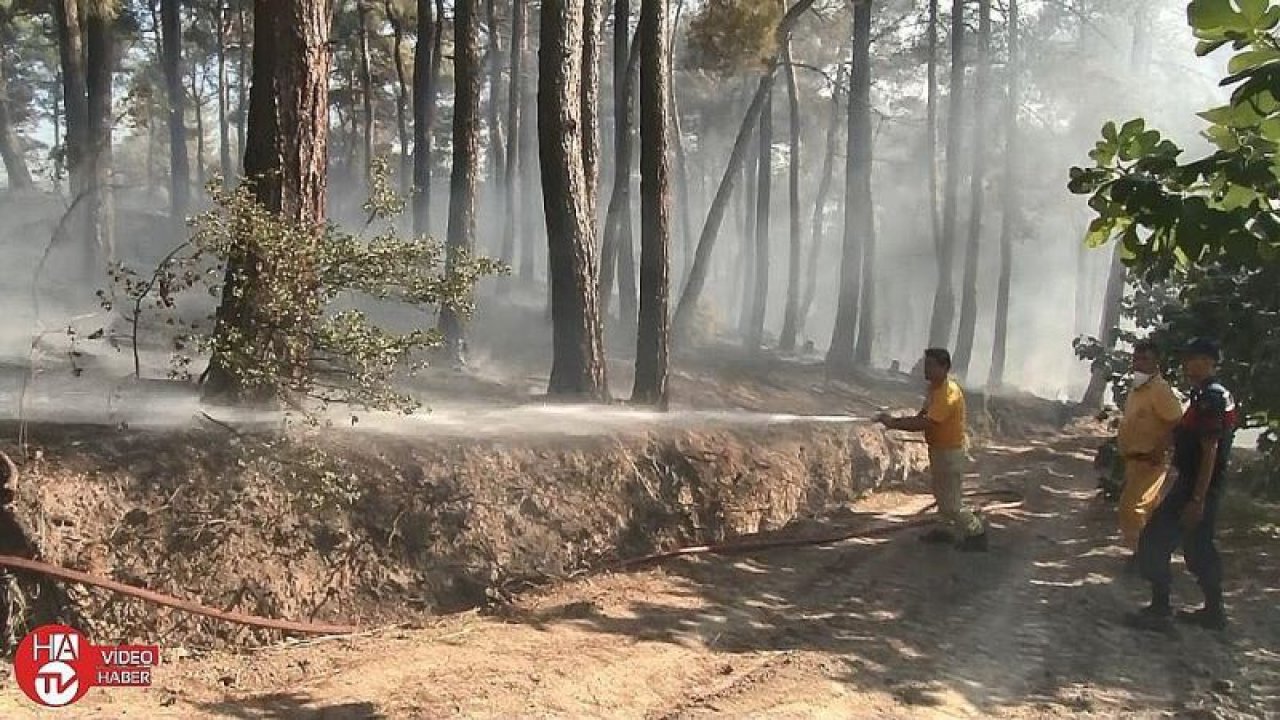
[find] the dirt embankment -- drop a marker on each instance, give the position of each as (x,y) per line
(373,531)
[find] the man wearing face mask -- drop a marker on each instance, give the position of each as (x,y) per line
(1151,411)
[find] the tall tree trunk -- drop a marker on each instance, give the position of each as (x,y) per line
(859,224)
(242,73)
(820,206)
(531,197)
(224,118)
(402,95)
(931,145)
(626,58)
(687,200)
(286,160)
(969,295)
(750,196)
(764,204)
(11,151)
(863,152)
(100,61)
(1009,201)
(198,105)
(423,98)
(496,149)
(75,95)
(1095,393)
(514,132)
(944,300)
(179,165)
(790,315)
(466,158)
(689,297)
(577,367)
(653,337)
(366,91)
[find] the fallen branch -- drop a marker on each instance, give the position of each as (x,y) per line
(169,601)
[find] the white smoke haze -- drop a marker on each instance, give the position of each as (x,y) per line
(1093,68)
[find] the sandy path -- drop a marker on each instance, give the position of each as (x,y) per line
(885,629)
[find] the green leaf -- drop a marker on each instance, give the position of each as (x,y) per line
(1205,47)
(1132,129)
(1100,231)
(1109,132)
(1215,15)
(1238,196)
(1253,10)
(1252,59)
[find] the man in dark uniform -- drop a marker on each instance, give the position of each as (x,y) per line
(1188,513)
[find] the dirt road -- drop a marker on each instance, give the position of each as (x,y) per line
(883,629)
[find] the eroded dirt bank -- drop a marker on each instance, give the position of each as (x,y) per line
(372,529)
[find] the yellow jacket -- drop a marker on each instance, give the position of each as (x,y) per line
(1150,413)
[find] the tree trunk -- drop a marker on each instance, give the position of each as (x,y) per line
(531,198)
(820,206)
(653,337)
(863,152)
(75,96)
(179,165)
(858,221)
(366,90)
(618,217)
(931,145)
(592,27)
(423,98)
(1095,393)
(198,102)
(944,300)
(969,296)
(790,316)
(466,159)
(224,118)
(242,85)
(689,297)
(578,367)
(687,201)
(100,61)
(514,131)
(402,95)
(764,203)
(750,196)
(1009,211)
(11,150)
(286,159)
(496,148)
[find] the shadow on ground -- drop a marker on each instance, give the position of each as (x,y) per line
(290,705)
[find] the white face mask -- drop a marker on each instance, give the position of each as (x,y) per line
(1140,379)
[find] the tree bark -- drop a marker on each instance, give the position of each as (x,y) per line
(817,231)
(754,339)
(496,148)
(198,105)
(100,61)
(750,196)
(944,300)
(242,86)
(859,224)
(653,337)
(466,159)
(578,367)
(931,145)
(366,91)
(790,315)
(863,152)
(402,95)
(969,295)
(693,287)
(179,164)
(1009,211)
(514,132)
(423,114)
(11,150)
(286,160)
(1094,394)
(224,118)
(626,65)
(686,200)
(75,94)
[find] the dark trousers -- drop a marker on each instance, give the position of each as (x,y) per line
(1163,535)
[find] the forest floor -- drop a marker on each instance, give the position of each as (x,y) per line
(884,629)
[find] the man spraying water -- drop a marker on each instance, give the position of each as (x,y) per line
(943,423)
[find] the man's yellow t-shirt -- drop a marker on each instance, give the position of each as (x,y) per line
(1150,412)
(945,407)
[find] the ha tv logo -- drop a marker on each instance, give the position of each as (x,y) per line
(55,665)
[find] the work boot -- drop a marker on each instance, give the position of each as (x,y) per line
(1152,618)
(937,536)
(973,543)
(1205,617)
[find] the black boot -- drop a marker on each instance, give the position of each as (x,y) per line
(1213,616)
(1156,617)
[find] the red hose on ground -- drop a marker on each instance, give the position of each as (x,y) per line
(62,573)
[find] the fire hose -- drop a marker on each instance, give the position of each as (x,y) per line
(1011,499)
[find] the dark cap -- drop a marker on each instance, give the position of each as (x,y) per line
(1203,347)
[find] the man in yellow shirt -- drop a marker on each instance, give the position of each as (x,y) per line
(1146,431)
(943,423)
